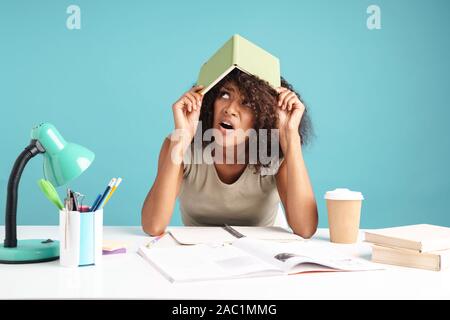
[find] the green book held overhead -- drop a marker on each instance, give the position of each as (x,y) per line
(239,53)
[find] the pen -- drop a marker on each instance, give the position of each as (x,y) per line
(95,202)
(102,199)
(233,231)
(69,200)
(151,243)
(74,201)
(119,180)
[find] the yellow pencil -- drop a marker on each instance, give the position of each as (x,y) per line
(119,180)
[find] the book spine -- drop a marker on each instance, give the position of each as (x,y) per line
(405,259)
(234,56)
(393,242)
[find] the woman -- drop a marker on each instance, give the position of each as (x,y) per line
(235,192)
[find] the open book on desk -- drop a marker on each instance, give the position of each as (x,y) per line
(247,257)
(208,235)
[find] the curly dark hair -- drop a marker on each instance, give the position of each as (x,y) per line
(262,99)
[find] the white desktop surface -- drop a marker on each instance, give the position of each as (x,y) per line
(129,276)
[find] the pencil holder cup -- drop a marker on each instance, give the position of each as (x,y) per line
(81,237)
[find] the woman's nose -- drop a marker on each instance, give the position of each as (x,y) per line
(231,109)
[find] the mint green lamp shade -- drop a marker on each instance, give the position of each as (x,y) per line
(63,162)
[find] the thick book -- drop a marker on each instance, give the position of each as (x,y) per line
(419,237)
(240,53)
(204,235)
(435,260)
(247,257)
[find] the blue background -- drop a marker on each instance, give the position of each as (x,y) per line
(378,98)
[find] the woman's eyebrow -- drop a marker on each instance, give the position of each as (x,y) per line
(229,88)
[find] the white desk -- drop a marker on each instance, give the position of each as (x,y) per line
(130,276)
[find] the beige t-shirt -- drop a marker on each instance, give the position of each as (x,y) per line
(205,200)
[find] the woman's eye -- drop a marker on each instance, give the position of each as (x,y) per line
(224,94)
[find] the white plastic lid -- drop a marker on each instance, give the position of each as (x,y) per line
(343,194)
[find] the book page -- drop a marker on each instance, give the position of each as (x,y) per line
(325,255)
(269,233)
(204,235)
(418,232)
(291,256)
(218,235)
(206,262)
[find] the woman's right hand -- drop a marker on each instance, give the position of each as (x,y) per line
(186,112)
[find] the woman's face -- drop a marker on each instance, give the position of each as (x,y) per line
(231,118)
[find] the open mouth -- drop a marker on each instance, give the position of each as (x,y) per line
(226,125)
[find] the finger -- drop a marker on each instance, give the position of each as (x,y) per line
(296,116)
(290,102)
(197,88)
(198,97)
(187,104)
(282,96)
(181,103)
(289,96)
(298,104)
(283,92)
(281,89)
(192,99)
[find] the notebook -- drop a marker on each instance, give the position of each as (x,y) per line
(113,247)
(240,53)
(247,257)
(198,235)
(420,237)
(434,260)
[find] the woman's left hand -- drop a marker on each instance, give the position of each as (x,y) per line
(290,111)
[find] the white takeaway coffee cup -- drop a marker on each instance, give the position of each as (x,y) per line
(344,212)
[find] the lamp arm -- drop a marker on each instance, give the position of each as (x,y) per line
(29,152)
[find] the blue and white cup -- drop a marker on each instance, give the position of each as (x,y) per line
(80,238)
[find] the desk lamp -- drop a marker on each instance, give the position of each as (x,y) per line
(63,162)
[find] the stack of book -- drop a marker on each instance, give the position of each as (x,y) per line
(418,246)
